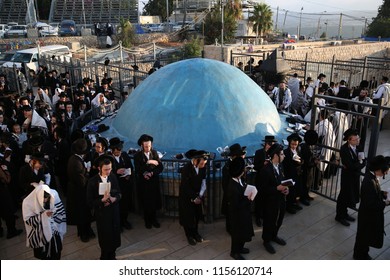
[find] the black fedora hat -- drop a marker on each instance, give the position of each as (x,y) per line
(80,146)
(102,158)
(38,156)
(103,141)
(270,139)
(144,138)
(294,137)
(274,149)
(311,137)
(193,153)
(236,150)
(379,163)
(102,127)
(34,131)
(348,133)
(26,108)
(237,167)
(116,143)
(36,141)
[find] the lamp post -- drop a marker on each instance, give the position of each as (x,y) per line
(300,22)
(319,22)
(222,27)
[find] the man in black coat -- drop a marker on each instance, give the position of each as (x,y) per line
(123,168)
(370,228)
(78,212)
(350,177)
(259,161)
(104,201)
(344,92)
(148,167)
(239,208)
(274,198)
(191,192)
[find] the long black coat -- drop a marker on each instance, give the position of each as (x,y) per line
(77,209)
(350,176)
(370,229)
(149,190)
(107,217)
(190,186)
(239,207)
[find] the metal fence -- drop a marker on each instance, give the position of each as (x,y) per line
(352,71)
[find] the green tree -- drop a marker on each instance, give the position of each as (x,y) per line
(158,8)
(193,48)
(126,33)
(261,18)
(380,25)
(213,24)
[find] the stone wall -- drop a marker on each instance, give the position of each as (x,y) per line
(317,51)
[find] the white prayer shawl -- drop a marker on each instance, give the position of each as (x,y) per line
(39,227)
(325,130)
(340,123)
(95,102)
(45,97)
(38,121)
(56,95)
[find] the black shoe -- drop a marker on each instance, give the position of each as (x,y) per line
(191,240)
(156,224)
(127,225)
(198,238)
(14,233)
(148,226)
(296,206)
(343,222)
(237,256)
(359,257)
(244,251)
(84,238)
(305,202)
(268,246)
(259,223)
(349,218)
(291,210)
(279,241)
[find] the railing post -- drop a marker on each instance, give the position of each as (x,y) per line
(332,68)
(375,131)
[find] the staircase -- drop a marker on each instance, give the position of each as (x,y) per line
(13,11)
(94,10)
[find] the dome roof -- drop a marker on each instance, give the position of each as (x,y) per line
(198,103)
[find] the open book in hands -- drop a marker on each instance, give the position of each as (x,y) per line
(250,192)
(287,183)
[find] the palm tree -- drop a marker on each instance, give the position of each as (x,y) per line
(261,18)
(234,8)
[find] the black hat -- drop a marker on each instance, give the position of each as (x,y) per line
(62,95)
(26,108)
(116,143)
(311,137)
(34,131)
(76,134)
(197,154)
(36,141)
(103,157)
(236,167)
(270,139)
(144,138)
(80,85)
(274,149)
(379,163)
(103,141)
(348,133)
(38,156)
(294,137)
(80,146)
(102,127)
(236,150)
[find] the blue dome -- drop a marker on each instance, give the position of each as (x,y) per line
(198,103)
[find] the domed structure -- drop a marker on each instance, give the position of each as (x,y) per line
(198,103)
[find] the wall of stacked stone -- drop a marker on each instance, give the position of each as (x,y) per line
(316,51)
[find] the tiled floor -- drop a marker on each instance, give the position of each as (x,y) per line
(311,234)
